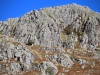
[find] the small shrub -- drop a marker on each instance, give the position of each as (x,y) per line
(1,32)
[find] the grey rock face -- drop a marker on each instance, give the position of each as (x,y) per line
(14,57)
(51,69)
(58,25)
(64,35)
(46,68)
(62,59)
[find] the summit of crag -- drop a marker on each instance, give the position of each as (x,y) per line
(60,40)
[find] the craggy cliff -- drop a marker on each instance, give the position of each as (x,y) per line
(61,40)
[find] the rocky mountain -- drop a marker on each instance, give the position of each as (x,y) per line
(60,40)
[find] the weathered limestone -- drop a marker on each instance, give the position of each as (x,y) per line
(60,25)
(46,39)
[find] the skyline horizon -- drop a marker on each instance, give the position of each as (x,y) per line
(14,9)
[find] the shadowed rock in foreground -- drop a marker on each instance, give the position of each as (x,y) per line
(51,41)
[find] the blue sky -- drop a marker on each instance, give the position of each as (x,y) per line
(17,8)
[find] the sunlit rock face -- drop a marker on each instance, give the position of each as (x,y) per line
(51,41)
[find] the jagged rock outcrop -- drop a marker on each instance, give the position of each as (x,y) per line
(63,26)
(14,57)
(51,41)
